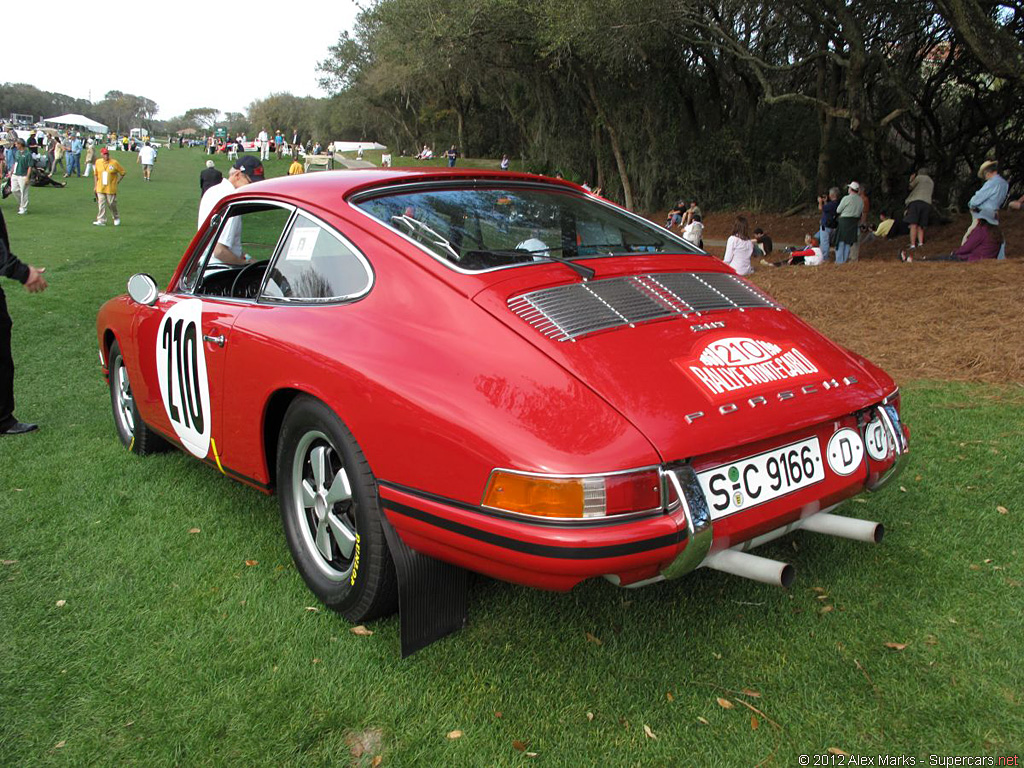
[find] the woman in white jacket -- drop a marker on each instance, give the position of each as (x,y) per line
(739,249)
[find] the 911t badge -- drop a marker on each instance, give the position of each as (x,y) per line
(181,368)
(744,364)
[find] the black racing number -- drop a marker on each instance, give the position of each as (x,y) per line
(180,342)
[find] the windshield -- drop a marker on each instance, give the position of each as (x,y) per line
(478,229)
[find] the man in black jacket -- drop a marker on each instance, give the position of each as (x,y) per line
(210,177)
(34,282)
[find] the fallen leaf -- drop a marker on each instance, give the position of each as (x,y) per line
(592,639)
(648,732)
(975,567)
(61,603)
(753,694)
(316,661)
(703,720)
(129,724)
(312,608)
(590,716)
(497,714)
(895,646)
(9,562)
(837,751)
(669,696)
(822,597)
(251,563)
(716,655)
(819,590)
(724,703)
(754,723)
(931,640)
(951,620)
(377,760)
(1002,510)
(826,608)
(59,744)
(988,560)
(193,530)
(455,734)
(361,631)
(519,746)
(917,478)
(531,754)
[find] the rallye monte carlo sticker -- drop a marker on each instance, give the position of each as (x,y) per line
(181,368)
(741,364)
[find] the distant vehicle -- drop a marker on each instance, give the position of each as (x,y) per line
(19,119)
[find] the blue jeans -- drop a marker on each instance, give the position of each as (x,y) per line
(824,238)
(842,252)
(73,166)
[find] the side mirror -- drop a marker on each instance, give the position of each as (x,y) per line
(142,288)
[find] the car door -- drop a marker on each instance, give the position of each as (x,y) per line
(186,336)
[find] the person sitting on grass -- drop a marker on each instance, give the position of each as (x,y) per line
(763,245)
(739,248)
(983,242)
(694,232)
(675,215)
(810,256)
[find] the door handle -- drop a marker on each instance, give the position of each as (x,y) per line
(218,340)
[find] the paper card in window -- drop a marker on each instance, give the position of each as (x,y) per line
(302,243)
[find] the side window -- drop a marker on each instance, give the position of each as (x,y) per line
(234,260)
(315,264)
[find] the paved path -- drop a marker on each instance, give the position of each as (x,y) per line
(354,163)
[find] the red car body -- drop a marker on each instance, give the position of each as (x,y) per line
(444,377)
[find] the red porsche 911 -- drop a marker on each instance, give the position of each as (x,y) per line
(449,371)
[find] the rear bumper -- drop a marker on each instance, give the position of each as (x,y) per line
(558,555)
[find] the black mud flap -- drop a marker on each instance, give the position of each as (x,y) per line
(432,595)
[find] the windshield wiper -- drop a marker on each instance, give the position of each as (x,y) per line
(583,271)
(627,246)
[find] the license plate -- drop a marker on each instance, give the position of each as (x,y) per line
(755,480)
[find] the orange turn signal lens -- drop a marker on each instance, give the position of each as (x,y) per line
(574,497)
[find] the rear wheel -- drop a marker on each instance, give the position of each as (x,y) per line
(329,511)
(134,433)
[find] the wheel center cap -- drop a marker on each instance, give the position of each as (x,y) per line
(320,505)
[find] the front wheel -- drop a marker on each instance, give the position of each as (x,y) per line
(134,433)
(330,514)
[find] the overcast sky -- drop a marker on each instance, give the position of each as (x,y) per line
(179,58)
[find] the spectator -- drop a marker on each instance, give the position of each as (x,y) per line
(984,242)
(147,156)
(988,199)
(888,228)
(919,205)
(58,155)
(693,233)
(1018,203)
(739,249)
(228,249)
(90,154)
(263,142)
(74,157)
(763,245)
(452,155)
(385,160)
(279,143)
(828,205)
(504,162)
(108,174)
(210,177)
(810,256)
(691,210)
(675,215)
(849,211)
(21,172)
(295,168)
(34,282)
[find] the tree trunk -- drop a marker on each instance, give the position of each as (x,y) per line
(613,139)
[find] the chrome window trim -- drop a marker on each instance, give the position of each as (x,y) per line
(353,202)
(371,276)
(217,221)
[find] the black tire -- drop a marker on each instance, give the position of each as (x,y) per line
(133,432)
(330,514)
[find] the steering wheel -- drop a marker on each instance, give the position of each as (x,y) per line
(241,272)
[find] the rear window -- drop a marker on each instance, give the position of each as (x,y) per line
(488,228)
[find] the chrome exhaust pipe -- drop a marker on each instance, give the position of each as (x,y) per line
(844,527)
(751,567)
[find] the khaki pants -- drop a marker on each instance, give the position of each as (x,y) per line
(105,202)
(19,186)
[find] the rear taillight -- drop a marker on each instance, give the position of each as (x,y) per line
(569,497)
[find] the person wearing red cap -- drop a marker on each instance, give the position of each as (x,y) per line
(108,173)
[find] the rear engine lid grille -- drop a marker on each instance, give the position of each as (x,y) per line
(567,312)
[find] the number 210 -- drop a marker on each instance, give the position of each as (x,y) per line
(180,343)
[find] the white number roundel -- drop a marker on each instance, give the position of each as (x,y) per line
(181,367)
(845,451)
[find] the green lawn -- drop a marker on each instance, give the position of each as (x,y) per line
(171,650)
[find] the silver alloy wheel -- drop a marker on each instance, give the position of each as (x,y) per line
(125,401)
(323,505)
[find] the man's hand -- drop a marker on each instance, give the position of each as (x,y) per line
(36,283)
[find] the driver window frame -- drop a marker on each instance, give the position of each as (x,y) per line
(371,276)
(204,250)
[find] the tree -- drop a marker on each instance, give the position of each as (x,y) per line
(202,118)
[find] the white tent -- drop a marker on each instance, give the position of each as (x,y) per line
(79,121)
(355,146)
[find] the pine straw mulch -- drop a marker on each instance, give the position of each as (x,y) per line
(957,322)
(949,321)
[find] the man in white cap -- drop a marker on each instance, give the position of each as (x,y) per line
(850,209)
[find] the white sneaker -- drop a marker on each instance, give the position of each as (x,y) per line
(99,223)
(117,222)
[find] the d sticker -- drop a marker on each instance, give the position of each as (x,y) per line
(181,367)
(845,451)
